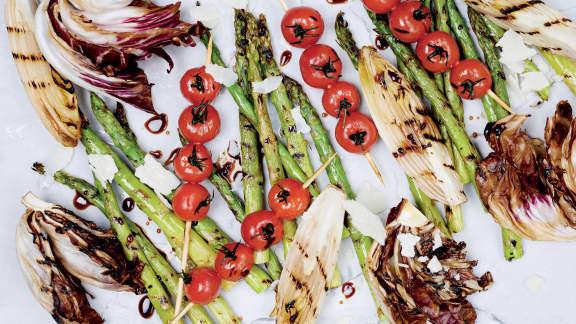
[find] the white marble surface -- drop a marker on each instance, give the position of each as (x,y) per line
(23,140)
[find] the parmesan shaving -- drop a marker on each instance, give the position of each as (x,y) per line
(533,81)
(223,75)
(372,198)
(514,51)
(412,217)
(103,166)
(208,15)
(237,4)
(434,265)
(408,244)
(365,221)
(153,174)
(267,85)
(301,124)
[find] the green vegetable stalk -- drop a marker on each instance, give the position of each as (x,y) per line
(162,268)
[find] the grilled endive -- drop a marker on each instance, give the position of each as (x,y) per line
(407,128)
(539,24)
(311,260)
(51,95)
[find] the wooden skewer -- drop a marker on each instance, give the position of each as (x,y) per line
(283,4)
(181,314)
(318,172)
(183,263)
(374,167)
(500,101)
(209,51)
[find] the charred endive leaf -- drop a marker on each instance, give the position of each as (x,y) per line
(312,260)
(88,253)
(54,288)
(405,125)
(97,44)
(51,95)
(522,189)
(431,286)
(538,23)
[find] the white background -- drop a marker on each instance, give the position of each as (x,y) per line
(24,140)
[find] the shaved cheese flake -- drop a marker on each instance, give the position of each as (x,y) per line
(533,81)
(209,15)
(301,124)
(437,240)
(365,221)
(372,198)
(514,51)
(423,259)
(153,174)
(412,217)
(58,159)
(403,265)
(408,244)
(534,283)
(545,68)
(434,265)
(267,85)
(221,74)
(103,166)
(237,4)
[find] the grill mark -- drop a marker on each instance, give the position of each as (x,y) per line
(433,138)
(509,10)
(404,150)
(550,23)
(24,57)
(449,166)
(11,29)
(37,85)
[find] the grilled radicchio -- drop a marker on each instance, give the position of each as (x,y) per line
(420,275)
(88,253)
(96,43)
(527,186)
(54,288)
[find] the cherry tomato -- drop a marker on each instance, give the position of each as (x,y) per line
(356,133)
(234,261)
(198,86)
(471,79)
(410,21)
(191,202)
(302,26)
(288,199)
(438,52)
(199,124)
(193,163)
(262,229)
(320,66)
(202,285)
(380,6)
(340,97)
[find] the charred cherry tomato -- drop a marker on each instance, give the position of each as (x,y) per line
(320,66)
(193,163)
(471,78)
(288,199)
(198,86)
(234,261)
(380,6)
(202,285)
(356,133)
(438,52)
(340,98)
(191,202)
(262,229)
(410,21)
(200,123)
(302,26)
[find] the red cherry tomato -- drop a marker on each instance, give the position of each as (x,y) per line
(380,6)
(471,78)
(191,202)
(288,199)
(234,261)
(198,86)
(199,124)
(202,286)
(340,97)
(193,163)
(410,21)
(356,133)
(302,26)
(320,66)
(438,52)
(262,229)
